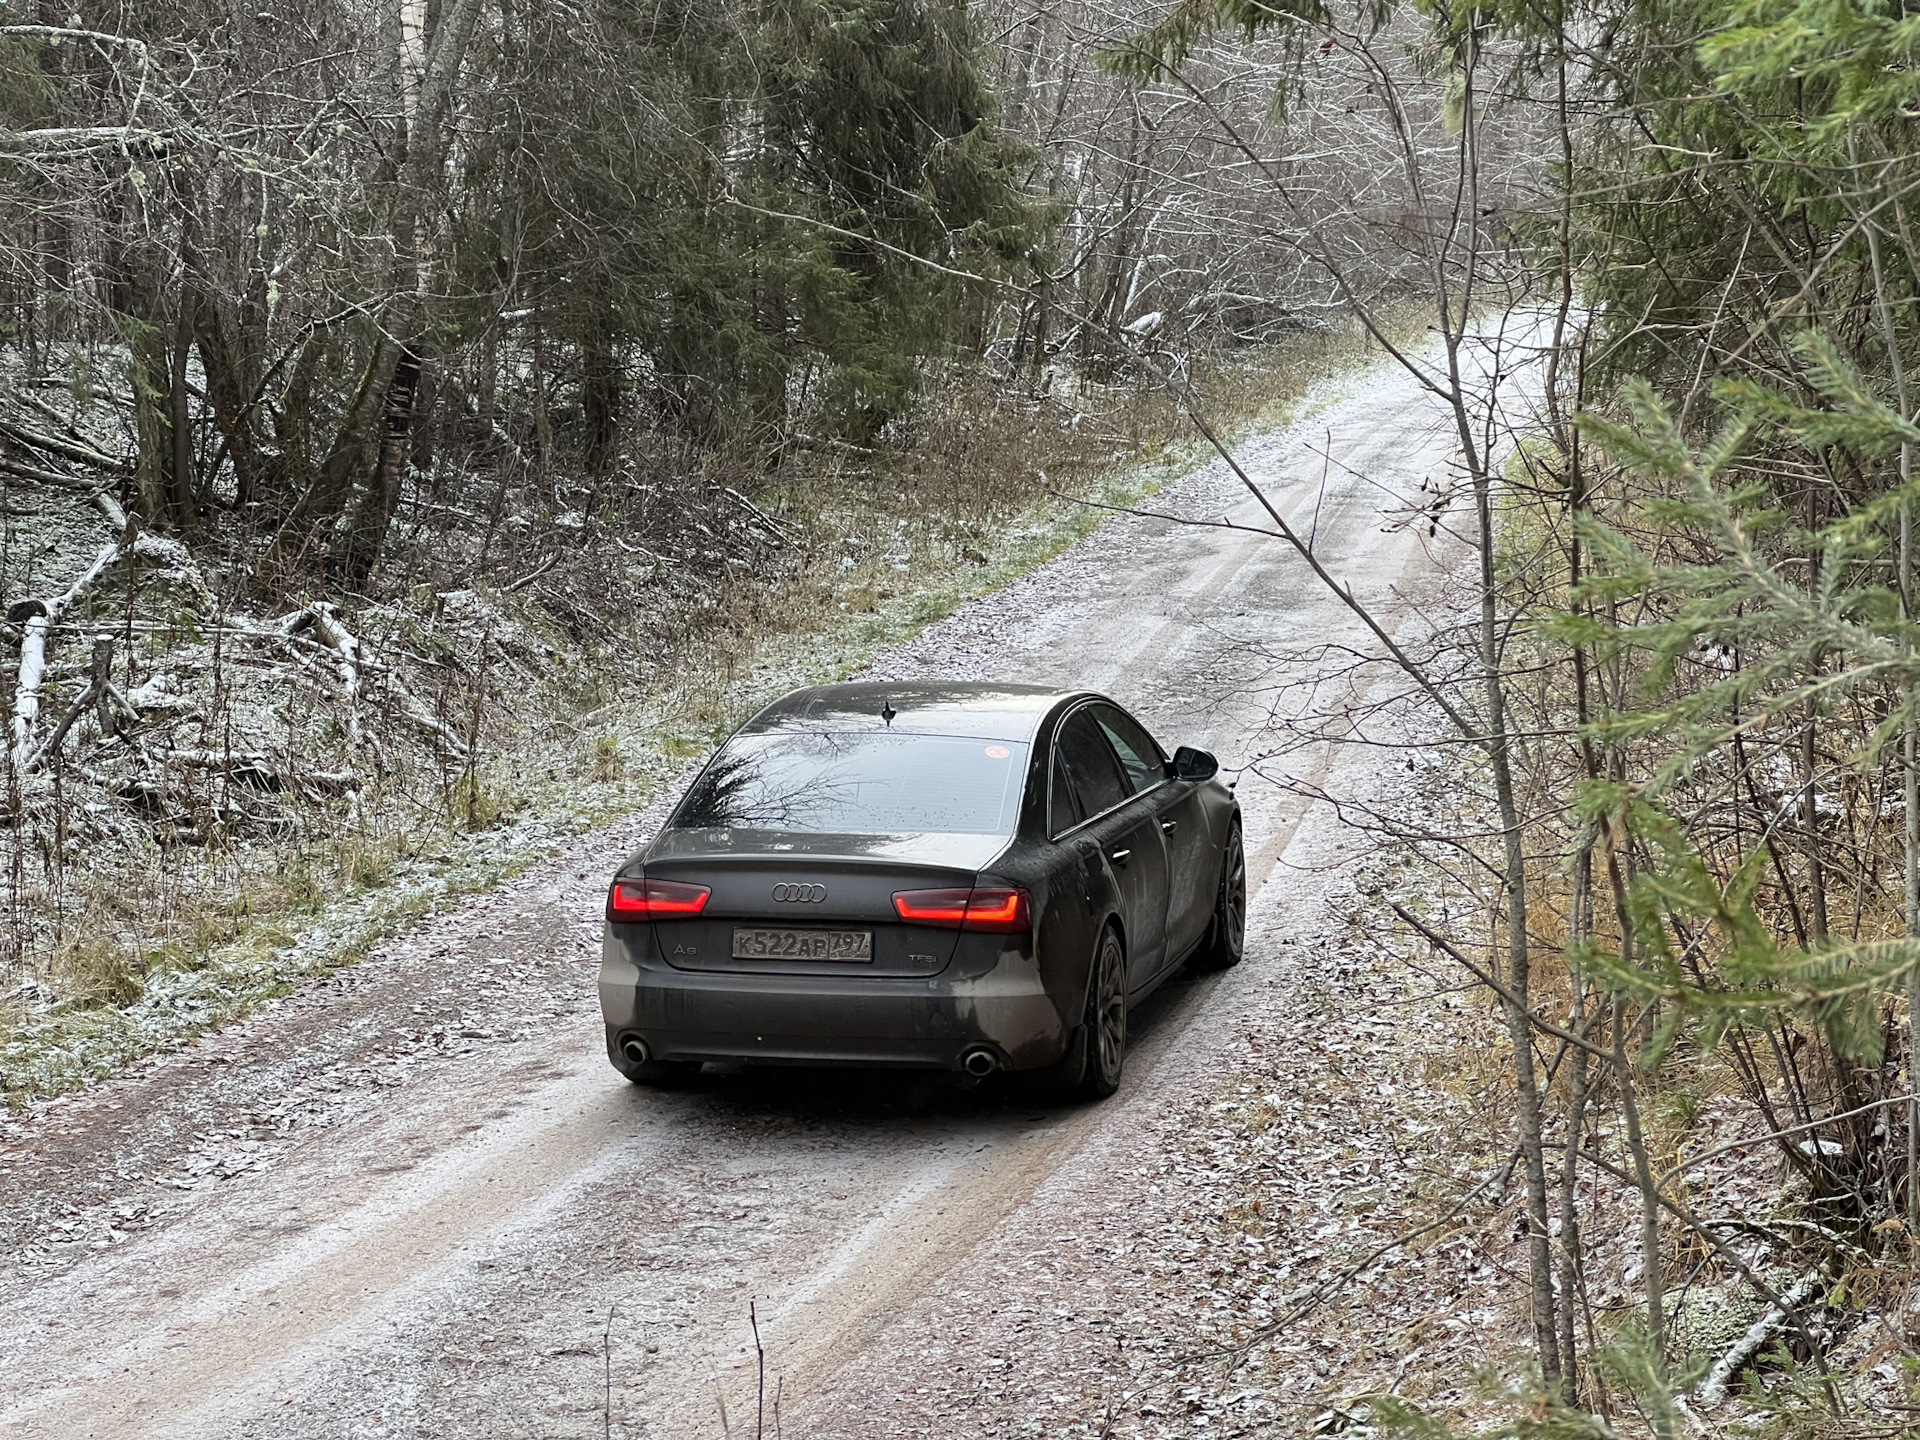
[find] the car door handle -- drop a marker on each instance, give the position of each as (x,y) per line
(1167,827)
(1120,857)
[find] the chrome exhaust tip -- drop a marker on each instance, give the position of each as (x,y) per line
(980,1062)
(635,1049)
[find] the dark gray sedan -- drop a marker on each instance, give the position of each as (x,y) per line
(966,877)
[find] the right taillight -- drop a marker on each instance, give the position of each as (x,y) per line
(1002,911)
(636,900)
(997,911)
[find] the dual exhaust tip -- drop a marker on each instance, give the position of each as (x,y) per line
(979,1062)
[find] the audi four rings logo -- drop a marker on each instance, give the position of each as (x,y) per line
(804,894)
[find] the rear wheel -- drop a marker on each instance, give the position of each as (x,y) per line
(1105,1026)
(1227,937)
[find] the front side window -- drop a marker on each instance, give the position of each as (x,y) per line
(1146,767)
(1092,771)
(824,782)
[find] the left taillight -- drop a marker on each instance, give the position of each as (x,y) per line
(1000,912)
(636,900)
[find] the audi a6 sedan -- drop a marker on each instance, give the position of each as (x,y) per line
(967,877)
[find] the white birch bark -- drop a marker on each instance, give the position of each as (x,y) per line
(37,633)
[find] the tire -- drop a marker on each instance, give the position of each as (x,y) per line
(1226,938)
(1104,1027)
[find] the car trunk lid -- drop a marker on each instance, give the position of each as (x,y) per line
(812,896)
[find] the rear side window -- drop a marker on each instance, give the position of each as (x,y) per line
(1063,812)
(859,784)
(1091,768)
(1139,756)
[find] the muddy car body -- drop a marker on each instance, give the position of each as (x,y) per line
(963,877)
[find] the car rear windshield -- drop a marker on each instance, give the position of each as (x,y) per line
(859,784)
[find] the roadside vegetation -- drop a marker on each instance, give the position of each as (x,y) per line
(1681,861)
(494,719)
(427,427)
(426,424)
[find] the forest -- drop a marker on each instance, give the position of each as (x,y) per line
(418,415)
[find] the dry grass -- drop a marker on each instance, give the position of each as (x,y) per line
(605,760)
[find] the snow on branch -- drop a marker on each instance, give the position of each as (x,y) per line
(345,645)
(1713,1389)
(350,666)
(82,142)
(38,617)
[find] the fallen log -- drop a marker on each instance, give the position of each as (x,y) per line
(350,665)
(412,710)
(245,767)
(101,694)
(100,496)
(37,619)
(253,769)
(1713,1389)
(66,449)
(346,645)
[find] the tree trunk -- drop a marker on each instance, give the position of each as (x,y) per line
(542,421)
(150,374)
(230,389)
(1453,322)
(365,533)
(183,489)
(420,452)
(365,467)
(599,391)
(331,485)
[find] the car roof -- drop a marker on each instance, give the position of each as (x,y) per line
(988,710)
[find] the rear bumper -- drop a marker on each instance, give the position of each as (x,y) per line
(830,1020)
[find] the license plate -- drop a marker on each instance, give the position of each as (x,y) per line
(852,946)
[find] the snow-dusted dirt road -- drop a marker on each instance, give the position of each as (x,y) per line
(415,1200)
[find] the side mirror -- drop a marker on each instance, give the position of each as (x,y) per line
(1192,764)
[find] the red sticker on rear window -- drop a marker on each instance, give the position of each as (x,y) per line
(998,752)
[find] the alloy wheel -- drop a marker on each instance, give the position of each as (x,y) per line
(1108,1018)
(1233,900)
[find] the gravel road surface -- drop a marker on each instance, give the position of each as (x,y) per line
(414,1200)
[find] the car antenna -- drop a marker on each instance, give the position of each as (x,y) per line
(887,712)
